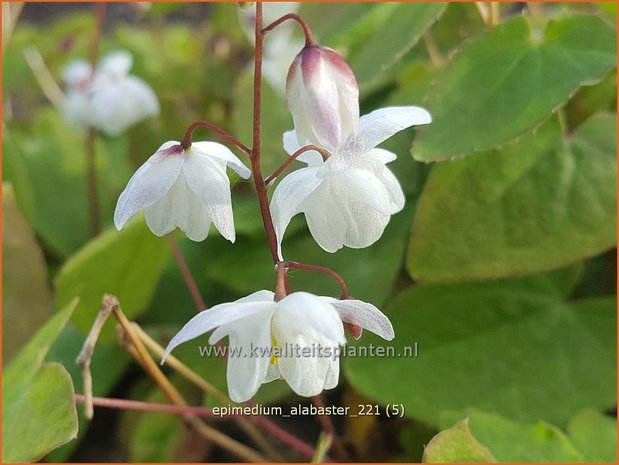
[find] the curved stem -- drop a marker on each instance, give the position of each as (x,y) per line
(320,269)
(186,273)
(324,153)
(186,142)
(309,37)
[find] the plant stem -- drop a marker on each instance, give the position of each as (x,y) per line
(91,181)
(324,153)
(141,354)
(327,426)
(91,135)
(186,273)
(259,184)
(309,37)
(186,142)
(321,269)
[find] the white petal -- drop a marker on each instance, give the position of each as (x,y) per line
(248,356)
(116,63)
(306,375)
(272,374)
(288,196)
(324,220)
(76,110)
(208,181)
(333,374)
(258,296)
(216,316)
(148,184)
(374,161)
(381,124)
(222,152)
(76,73)
(307,313)
(292,144)
(363,314)
(364,186)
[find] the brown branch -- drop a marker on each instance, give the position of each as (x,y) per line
(309,37)
(321,269)
(190,282)
(324,153)
(186,142)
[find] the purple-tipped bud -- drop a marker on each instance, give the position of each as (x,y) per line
(323,97)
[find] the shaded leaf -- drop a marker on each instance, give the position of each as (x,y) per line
(26,297)
(125,263)
(511,346)
(510,79)
(38,411)
(595,436)
(456,445)
(535,205)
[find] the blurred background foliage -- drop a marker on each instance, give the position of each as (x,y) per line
(502,266)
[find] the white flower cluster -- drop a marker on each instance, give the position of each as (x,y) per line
(347,198)
(107,98)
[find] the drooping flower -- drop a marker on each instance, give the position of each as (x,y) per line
(108,99)
(349,198)
(268,339)
(323,97)
(185,188)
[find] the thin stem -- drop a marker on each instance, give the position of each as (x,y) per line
(186,273)
(205,386)
(482,8)
(436,58)
(125,404)
(321,269)
(495,13)
(324,153)
(91,135)
(44,78)
(309,37)
(261,190)
(85,356)
(139,352)
(186,142)
(10,14)
(327,426)
(91,181)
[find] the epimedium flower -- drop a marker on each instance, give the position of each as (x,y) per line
(257,324)
(185,188)
(323,97)
(107,98)
(349,198)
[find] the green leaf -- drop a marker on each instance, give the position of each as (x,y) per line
(456,445)
(595,436)
(511,346)
(510,79)
(127,264)
(511,441)
(26,296)
(38,412)
(399,33)
(53,159)
(534,205)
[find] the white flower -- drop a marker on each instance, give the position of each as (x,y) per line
(323,97)
(348,199)
(184,188)
(110,99)
(257,326)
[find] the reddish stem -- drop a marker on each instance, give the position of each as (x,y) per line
(309,37)
(274,430)
(328,427)
(321,269)
(325,154)
(186,273)
(186,142)
(261,190)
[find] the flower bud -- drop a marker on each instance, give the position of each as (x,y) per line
(323,97)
